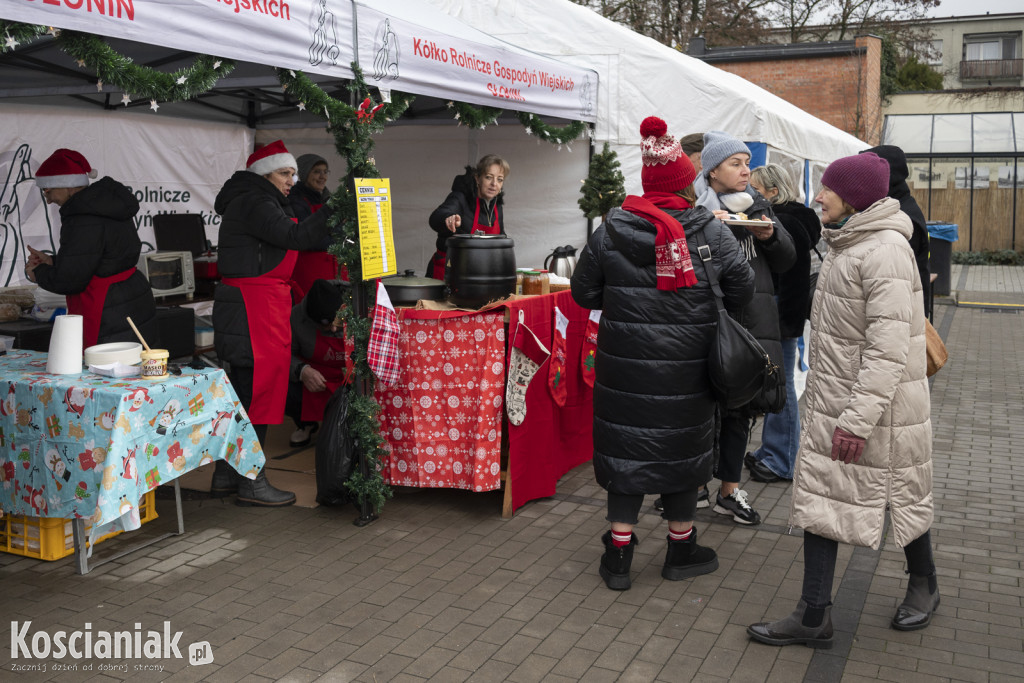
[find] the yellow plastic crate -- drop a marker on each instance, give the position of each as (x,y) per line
(51,538)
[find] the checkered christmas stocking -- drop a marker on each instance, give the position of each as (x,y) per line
(588,354)
(557,369)
(382,351)
(528,354)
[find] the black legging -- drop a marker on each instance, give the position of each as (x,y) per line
(625,508)
(820,564)
(734,434)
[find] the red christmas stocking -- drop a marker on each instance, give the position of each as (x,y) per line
(526,357)
(557,368)
(589,352)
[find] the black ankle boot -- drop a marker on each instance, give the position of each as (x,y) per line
(791,630)
(258,491)
(686,559)
(920,601)
(225,479)
(615,563)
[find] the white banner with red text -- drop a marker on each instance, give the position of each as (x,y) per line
(402,45)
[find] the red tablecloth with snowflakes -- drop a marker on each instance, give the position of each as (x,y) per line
(442,419)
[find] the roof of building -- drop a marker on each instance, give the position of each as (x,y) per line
(756,53)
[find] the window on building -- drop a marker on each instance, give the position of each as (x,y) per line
(928,52)
(991,46)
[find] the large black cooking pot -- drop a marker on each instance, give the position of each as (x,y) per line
(407,289)
(479,269)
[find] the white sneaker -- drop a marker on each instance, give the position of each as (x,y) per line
(302,437)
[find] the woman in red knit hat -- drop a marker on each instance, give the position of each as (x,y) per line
(654,413)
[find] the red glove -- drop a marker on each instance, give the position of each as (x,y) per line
(846,446)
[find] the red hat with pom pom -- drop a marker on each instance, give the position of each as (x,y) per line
(666,167)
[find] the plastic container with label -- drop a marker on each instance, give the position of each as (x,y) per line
(154,364)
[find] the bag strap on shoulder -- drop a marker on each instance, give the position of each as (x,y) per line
(704,251)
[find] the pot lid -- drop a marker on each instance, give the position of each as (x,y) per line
(409,279)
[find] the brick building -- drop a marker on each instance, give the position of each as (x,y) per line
(836,81)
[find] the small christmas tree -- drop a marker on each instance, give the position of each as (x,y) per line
(604,187)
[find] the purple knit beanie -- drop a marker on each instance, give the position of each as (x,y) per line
(860,180)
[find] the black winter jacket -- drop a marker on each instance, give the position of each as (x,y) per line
(900,191)
(256,232)
(773,255)
(98,237)
(654,413)
(462,201)
(303,198)
(794,286)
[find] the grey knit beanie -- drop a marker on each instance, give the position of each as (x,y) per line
(718,147)
(306,163)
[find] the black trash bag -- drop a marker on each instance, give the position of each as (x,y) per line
(335,452)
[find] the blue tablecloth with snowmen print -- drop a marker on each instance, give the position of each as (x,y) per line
(87,446)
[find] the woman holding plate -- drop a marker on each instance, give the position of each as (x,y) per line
(725,190)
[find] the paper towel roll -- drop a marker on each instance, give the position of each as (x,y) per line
(65,356)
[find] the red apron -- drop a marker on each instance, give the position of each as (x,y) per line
(437,260)
(268,308)
(314,265)
(332,358)
(89,304)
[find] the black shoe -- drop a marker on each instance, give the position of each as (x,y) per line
(259,492)
(749,459)
(658,505)
(225,480)
(791,631)
(915,612)
(615,563)
(736,505)
(760,472)
(703,498)
(686,559)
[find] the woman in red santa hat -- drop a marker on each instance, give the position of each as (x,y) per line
(258,246)
(94,267)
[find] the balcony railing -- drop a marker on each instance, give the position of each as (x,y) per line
(992,68)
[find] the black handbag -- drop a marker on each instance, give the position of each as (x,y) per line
(739,367)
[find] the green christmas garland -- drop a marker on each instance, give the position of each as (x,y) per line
(559,136)
(353,129)
(473,117)
(481,117)
(120,71)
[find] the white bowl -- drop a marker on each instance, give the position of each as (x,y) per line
(126,353)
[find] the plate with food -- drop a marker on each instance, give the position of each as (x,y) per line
(741,219)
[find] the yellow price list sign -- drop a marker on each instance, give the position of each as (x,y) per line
(376,238)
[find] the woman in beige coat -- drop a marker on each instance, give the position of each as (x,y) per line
(867,438)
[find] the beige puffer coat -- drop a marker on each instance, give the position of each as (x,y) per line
(867,358)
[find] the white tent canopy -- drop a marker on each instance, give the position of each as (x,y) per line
(641,77)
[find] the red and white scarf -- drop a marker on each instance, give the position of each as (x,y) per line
(671,255)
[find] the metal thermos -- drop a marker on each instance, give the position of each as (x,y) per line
(562,261)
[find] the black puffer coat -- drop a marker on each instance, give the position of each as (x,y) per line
(654,414)
(304,198)
(900,191)
(98,237)
(794,286)
(773,255)
(462,201)
(256,233)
